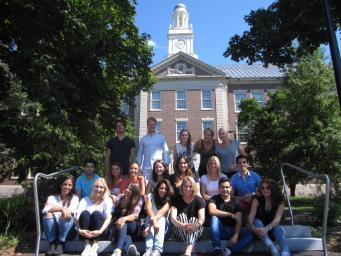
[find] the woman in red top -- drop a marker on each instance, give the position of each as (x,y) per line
(116,182)
(136,177)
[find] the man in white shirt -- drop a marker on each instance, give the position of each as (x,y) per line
(153,146)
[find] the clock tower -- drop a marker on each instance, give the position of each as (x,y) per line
(180,33)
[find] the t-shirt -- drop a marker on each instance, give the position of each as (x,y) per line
(119,189)
(244,185)
(191,209)
(227,155)
(85,185)
(182,151)
(204,156)
(231,206)
(120,151)
(55,200)
(264,215)
(105,207)
(212,186)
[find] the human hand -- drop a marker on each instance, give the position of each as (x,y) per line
(155,226)
(233,240)
(66,213)
(120,222)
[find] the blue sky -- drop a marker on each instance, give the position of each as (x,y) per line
(214,22)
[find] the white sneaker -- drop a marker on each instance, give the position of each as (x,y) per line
(117,252)
(87,250)
(94,249)
(226,252)
(148,252)
(132,250)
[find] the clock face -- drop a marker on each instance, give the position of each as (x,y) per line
(180,44)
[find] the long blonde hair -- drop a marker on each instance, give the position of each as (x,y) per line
(106,189)
(213,158)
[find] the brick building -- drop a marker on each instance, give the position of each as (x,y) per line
(192,94)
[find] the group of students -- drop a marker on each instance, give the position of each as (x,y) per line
(176,205)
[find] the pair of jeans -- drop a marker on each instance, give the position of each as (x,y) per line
(122,235)
(93,221)
(53,225)
(219,231)
(278,233)
(155,241)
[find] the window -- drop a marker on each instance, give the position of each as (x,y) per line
(238,97)
(155,101)
(180,100)
(243,134)
(206,101)
(179,126)
(158,127)
(258,95)
(207,124)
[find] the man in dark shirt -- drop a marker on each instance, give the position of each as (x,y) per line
(226,221)
(120,149)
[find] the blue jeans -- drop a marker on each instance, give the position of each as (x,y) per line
(278,233)
(52,225)
(122,234)
(219,231)
(155,241)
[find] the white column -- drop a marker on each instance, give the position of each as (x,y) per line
(221,107)
(143,114)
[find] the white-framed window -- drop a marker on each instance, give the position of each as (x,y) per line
(158,127)
(258,95)
(242,133)
(206,99)
(155,98)
(180,100)
(238,97)
(125,107)
(179,126)
(207,124)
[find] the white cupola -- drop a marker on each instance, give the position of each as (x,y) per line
(180,33)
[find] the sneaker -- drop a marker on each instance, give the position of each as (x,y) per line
(59,249)
(87,250)
(51,249)
(148,252)
(117,252)
(156,253)
(226,252)
(132,250)
(94,249)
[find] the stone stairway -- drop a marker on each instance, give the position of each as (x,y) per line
(299,238)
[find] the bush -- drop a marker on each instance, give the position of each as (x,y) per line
(16,214)
(7,242)
(334,213)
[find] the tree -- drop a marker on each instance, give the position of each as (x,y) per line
(300,124)
(65,67)
(283,33)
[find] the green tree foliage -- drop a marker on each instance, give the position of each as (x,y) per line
(283,32)
(65,66)
(300,124)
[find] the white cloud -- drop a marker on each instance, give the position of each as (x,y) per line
(152,43)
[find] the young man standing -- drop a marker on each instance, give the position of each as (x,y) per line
(153,146)
(87,179)
(226,221)
(120,149)
(245,183)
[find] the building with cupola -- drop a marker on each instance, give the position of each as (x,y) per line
(190,93)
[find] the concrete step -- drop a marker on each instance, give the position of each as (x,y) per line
(298,238)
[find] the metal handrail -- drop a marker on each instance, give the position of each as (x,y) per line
(326,199)
(36,200)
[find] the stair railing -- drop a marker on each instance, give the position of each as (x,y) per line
(36,200)
(324,177)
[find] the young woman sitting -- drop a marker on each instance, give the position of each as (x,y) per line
(160,172)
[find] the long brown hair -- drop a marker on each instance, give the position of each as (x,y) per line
(133,200)
(165,174)
(277,196)
(161,201)
(189,141)
(109,178)
(177,171)
(70,195)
